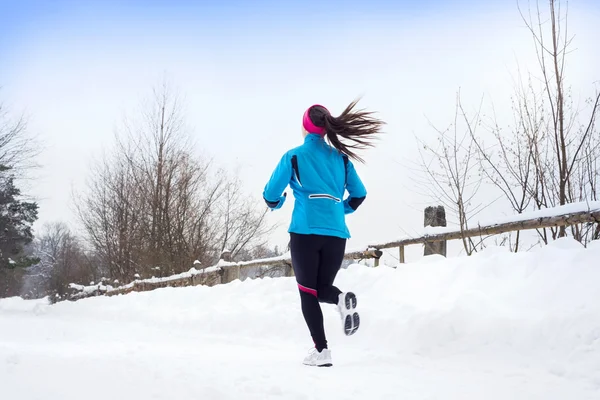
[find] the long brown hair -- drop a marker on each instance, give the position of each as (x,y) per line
(356,126)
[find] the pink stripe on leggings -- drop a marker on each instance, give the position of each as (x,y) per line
(307,290)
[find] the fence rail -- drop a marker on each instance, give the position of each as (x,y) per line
(226,271)
(566,219)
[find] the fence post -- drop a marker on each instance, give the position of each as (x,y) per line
(402,255)
(230,273)
(435,216)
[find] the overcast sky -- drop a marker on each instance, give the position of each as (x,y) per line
(248,70)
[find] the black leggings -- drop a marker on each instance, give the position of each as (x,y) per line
(316,261)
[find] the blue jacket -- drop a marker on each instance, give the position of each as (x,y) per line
(319,175)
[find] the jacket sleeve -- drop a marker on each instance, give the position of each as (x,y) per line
(356,190)
(280,178)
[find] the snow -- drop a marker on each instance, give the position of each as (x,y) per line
(17,304)
(107,288)
(84,290)
(207,270)
(189,274)
(284,257)
(223,263)
(493,326)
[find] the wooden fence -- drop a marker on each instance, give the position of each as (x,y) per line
(226,271)
(566,219)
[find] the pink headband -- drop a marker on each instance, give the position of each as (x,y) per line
(308,124)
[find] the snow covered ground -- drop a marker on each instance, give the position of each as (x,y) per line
(492,326)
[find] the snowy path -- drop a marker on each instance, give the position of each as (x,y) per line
(173,365)
(496,326)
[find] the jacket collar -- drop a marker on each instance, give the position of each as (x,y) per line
(313,138)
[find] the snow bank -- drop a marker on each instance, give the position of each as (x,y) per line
(17,304)
(495,325)
(541,306)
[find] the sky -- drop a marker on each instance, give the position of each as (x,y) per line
(248,70)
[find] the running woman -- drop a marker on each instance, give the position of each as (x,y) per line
(319,174)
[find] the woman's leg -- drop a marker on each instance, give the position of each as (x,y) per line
(305,261)
(330,262)
(332,256)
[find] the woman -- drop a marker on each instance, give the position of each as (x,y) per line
(319,174)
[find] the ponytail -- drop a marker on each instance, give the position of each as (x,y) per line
(357,127)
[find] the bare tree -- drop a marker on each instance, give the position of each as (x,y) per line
(241,223)
(451,170)
(62,260)
(18,148)
(509,163)
(110,218)
(152,207)
(547,158)
(572,142)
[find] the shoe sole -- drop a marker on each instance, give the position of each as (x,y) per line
(329,364)
(320,366)
(351,318)
(350,300)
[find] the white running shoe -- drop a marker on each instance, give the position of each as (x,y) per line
(347,308)
(318,359)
